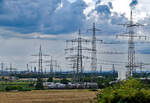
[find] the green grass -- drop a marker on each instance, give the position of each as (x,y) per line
(25,85)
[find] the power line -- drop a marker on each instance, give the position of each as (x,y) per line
(131,45)
(52,65)
(40,60)
(11,69)
(2,68)
(94,49)
(77,59)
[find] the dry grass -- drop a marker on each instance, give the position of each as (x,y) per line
(48,96)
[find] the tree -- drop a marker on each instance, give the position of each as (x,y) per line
(50,79)
(64,81)
(39,84)
(130,91)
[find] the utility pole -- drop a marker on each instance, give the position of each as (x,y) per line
(73,65)
(113,70)
(52,65)
(35,70)
(101,69)
(78,57)
(94,49)
(74,72)
(28,68)
(40,60)
(131,48)
(45,71)
(131,45)
(141,65)
(31,70)
(11,71)
(2,68)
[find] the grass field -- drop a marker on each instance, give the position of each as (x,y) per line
(49,96)
(3,85)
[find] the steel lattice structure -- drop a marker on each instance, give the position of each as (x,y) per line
(40,60)
(131,45)
(94,49)
(52,65)
(77,59)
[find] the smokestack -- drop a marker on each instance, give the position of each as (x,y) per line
(131,18)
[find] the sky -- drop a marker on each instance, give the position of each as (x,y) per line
(25,24)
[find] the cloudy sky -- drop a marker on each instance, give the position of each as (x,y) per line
(25,24)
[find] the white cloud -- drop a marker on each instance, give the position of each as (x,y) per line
(122,7)
(141,10)
(62,18)
(90,7)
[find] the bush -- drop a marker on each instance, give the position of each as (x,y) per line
(25,89)
(15,87)
(94,90)
(31,85)
(131,91)
(64,81)
(50,79)
(39,84)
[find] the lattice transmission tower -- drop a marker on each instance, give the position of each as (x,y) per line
(131,44)
(94,49)
(40,62)
(77,59)
(53,65)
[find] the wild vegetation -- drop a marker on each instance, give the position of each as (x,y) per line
(16,85)
(130,91)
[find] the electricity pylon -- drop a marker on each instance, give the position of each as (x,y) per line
(11,69)
(141,65)
(2,68)
(131,45)
(101,70)
(40,60)
(94,49)
(52,66)
(28,68)
(78,57)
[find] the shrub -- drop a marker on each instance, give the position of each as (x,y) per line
(39,84)
(64,81)
(94,90)
(15,87)
(131,91)
(31,85)
(50,79)
(25,89)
